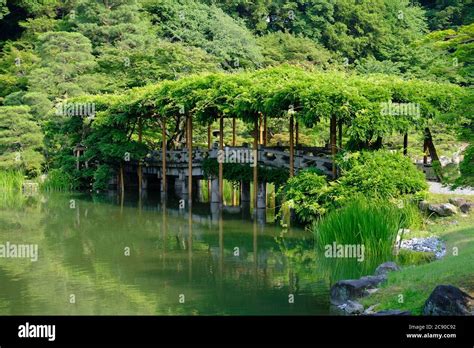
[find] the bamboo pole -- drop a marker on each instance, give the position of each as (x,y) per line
(333,145)
(163,155)
(292,147)
(221,165)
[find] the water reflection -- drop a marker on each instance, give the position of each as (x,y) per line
(139,256)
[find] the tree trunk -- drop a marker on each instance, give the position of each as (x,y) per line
(430,145)
(405,144)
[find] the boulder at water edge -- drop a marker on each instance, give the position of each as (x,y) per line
(386,267)
(443,209)
(345,290)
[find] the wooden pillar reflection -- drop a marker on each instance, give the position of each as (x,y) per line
(190,244)
(165,233)
(221,246)
(292,147)
(255,251)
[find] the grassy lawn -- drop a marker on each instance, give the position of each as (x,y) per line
(415,283)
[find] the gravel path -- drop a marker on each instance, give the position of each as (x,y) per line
(436,187)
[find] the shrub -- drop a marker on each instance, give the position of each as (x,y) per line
(101,177)
(378,174)
(306,193)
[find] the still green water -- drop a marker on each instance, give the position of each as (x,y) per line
(99,257)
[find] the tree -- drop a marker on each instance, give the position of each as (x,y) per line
(66,67)
(279,47)
(206,27)
(444,14)
(3,8)
(21,140)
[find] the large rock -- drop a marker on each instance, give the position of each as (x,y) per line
(447,300)
(345,290)
(352,307)
(457,201)
(423,205)
(466,207)
(443,209)
(386,267)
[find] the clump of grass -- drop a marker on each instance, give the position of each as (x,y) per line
(57,181)
(373,224)
(11,180)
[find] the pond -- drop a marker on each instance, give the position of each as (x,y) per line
(100,256)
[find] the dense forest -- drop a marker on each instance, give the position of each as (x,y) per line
(55,51)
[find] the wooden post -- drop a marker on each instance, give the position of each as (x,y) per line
(297,134)
(140,173)
(405,144)
(340,134)
(189,134)
(233,144)
(122,184)
(333,145)
(221,165)
(233,131)
(209,148)
(163,155)
(255,168)
(292,147)
(190,244)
